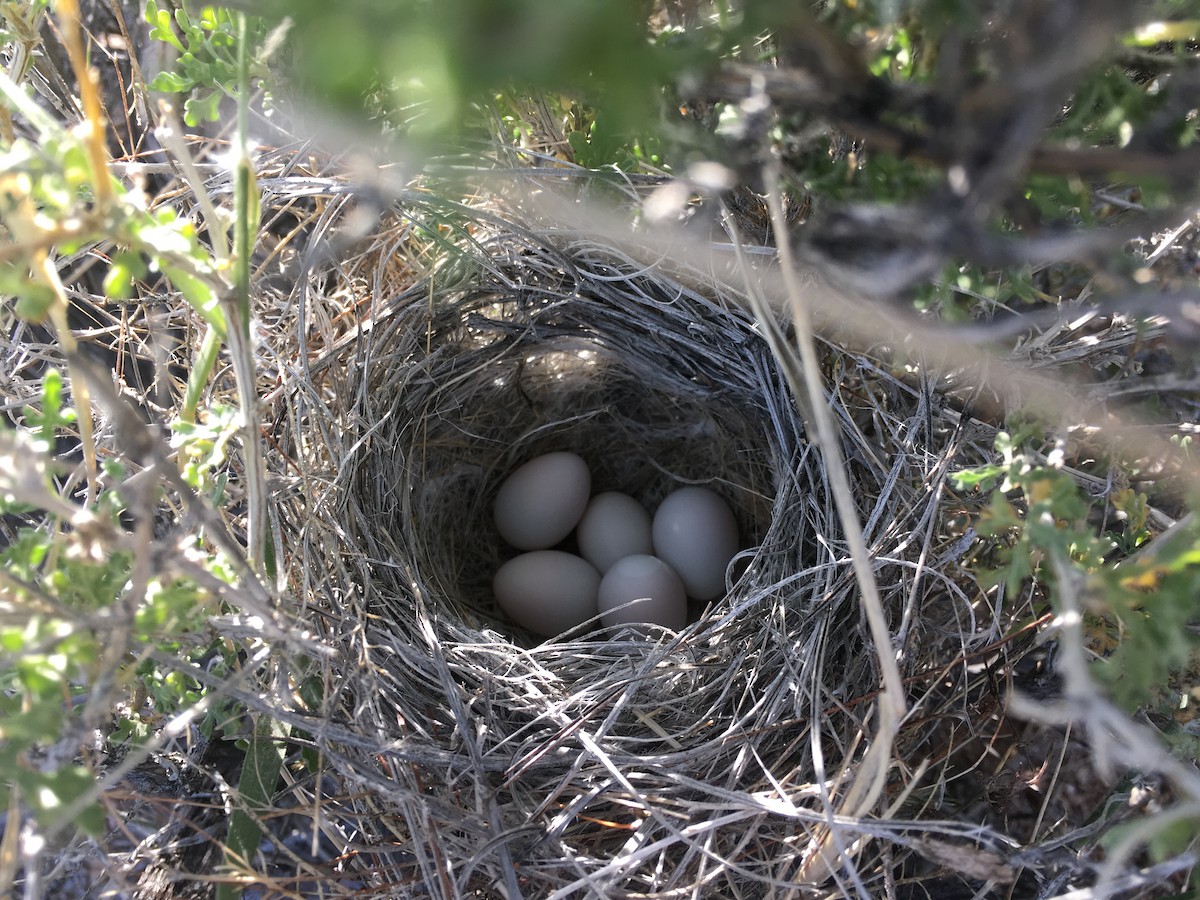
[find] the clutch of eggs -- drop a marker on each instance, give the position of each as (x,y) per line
(632,569)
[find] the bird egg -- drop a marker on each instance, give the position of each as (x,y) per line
(547,591)
(539,503)
(642,589)
(613,526)
(695,533)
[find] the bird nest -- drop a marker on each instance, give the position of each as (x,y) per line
(466,756)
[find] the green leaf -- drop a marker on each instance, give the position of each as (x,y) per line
(260,774)
(984,478)
(170,83)
(34,302)
(40,723)
(1164,839)
(184,21)
(24,556)
(998,516)
(202,366)
(52,416)
(12,640)
(198,292)
(1173,839)
(118,281)
(41,675)
(159,21)
(202,108)
(66,786)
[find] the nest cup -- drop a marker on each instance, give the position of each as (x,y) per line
(502,379)
(592,765)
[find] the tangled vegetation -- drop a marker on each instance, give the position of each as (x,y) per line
(285,294)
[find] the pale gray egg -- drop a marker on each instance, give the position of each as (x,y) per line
(695,533)
(613,526)
(653,591)
(547,591)
(539,503)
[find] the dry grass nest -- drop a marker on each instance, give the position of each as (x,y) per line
(406,369)
(466,757)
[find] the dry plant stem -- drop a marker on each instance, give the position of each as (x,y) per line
(21,20)
(98,158)
(245,222)
(869,782)
(892,701)
(93,110)
(9,848)
(819,866)
(170,135)
(1166,243)
(79,386)
(242,354)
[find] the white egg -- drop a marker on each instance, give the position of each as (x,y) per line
(613,526)
(539,503)
(652,589)
(547,591)
(695,533)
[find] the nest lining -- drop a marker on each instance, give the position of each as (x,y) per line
(606,764)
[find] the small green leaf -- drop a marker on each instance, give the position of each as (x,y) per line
(983,478)
(12,640)
(202,108)
(159,21)
(170,83)
(64,787)
(39,724)
(118,281)
(26,554)
(199,293)
(52,415)
(260,774)
(34,302)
